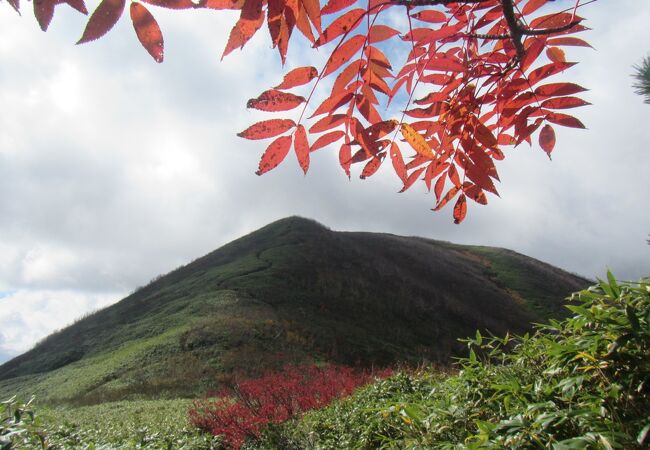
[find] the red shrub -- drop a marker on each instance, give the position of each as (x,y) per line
(247,406)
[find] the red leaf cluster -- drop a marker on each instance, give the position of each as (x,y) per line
(470,89)
(241,411)
(471,80)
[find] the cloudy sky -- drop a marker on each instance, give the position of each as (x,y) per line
(114,169)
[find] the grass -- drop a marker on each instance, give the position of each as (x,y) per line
(576,383)
(150,424)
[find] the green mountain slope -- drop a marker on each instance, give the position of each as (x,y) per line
(292,291)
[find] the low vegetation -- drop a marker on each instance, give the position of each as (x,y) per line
(247,408)
(576,383)
(124,425)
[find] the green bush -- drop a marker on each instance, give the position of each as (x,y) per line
(18,426)
(576,383)
(125,425)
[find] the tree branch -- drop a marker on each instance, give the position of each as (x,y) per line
(529,32)
(414,3)
(514,27)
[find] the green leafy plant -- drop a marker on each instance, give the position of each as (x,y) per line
(18,425)
(576,383)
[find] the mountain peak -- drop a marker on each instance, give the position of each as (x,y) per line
(298,222)
(292,291)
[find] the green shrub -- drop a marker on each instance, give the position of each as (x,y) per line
(18,426)
(576,383)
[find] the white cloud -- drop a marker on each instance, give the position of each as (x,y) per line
(29,316)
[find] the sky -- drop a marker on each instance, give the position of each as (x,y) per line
(114,169)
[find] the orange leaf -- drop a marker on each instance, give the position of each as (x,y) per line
(430,16)
(478,176)
(564,119)
(344,53)
(174,4)
(416,140)
(336,5)
(367,110)
(444,64)
(546,71)
(460,209)
(312,7)
(570,41)
(327,139)
(378,33)
(484,135)
(533,50)
(371,167)
(343,24)
(452,174)
(547,139)
(556,54)
(558,89)
(564,103)
(428,35)
(475,193)
(345,158)
(332,103)
(148,31)
(287,24)
(532,6)
(249,22)
(439,186)
(224,4)
(274,100)
(347,75)
(302,23)
(102,20)
(412,178)
(506,139)
(398,161)
(553,20)
(267,128)
(274,154)
(433,170)
(448,196)
(274,16)
(328,122)
(298,77)
(301,145)
(381,129)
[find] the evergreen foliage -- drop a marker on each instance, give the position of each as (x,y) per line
(642,75)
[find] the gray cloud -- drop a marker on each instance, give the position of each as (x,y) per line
(114,169)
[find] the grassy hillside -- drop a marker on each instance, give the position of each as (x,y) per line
(292,291)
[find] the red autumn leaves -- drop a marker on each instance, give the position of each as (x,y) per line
(275,100)
(242,411)
(439,91)
(467,95)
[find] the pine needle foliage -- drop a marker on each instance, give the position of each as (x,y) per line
(642,76)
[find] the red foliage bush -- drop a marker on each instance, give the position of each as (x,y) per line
(242,410)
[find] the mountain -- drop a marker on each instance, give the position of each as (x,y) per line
(293,291)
